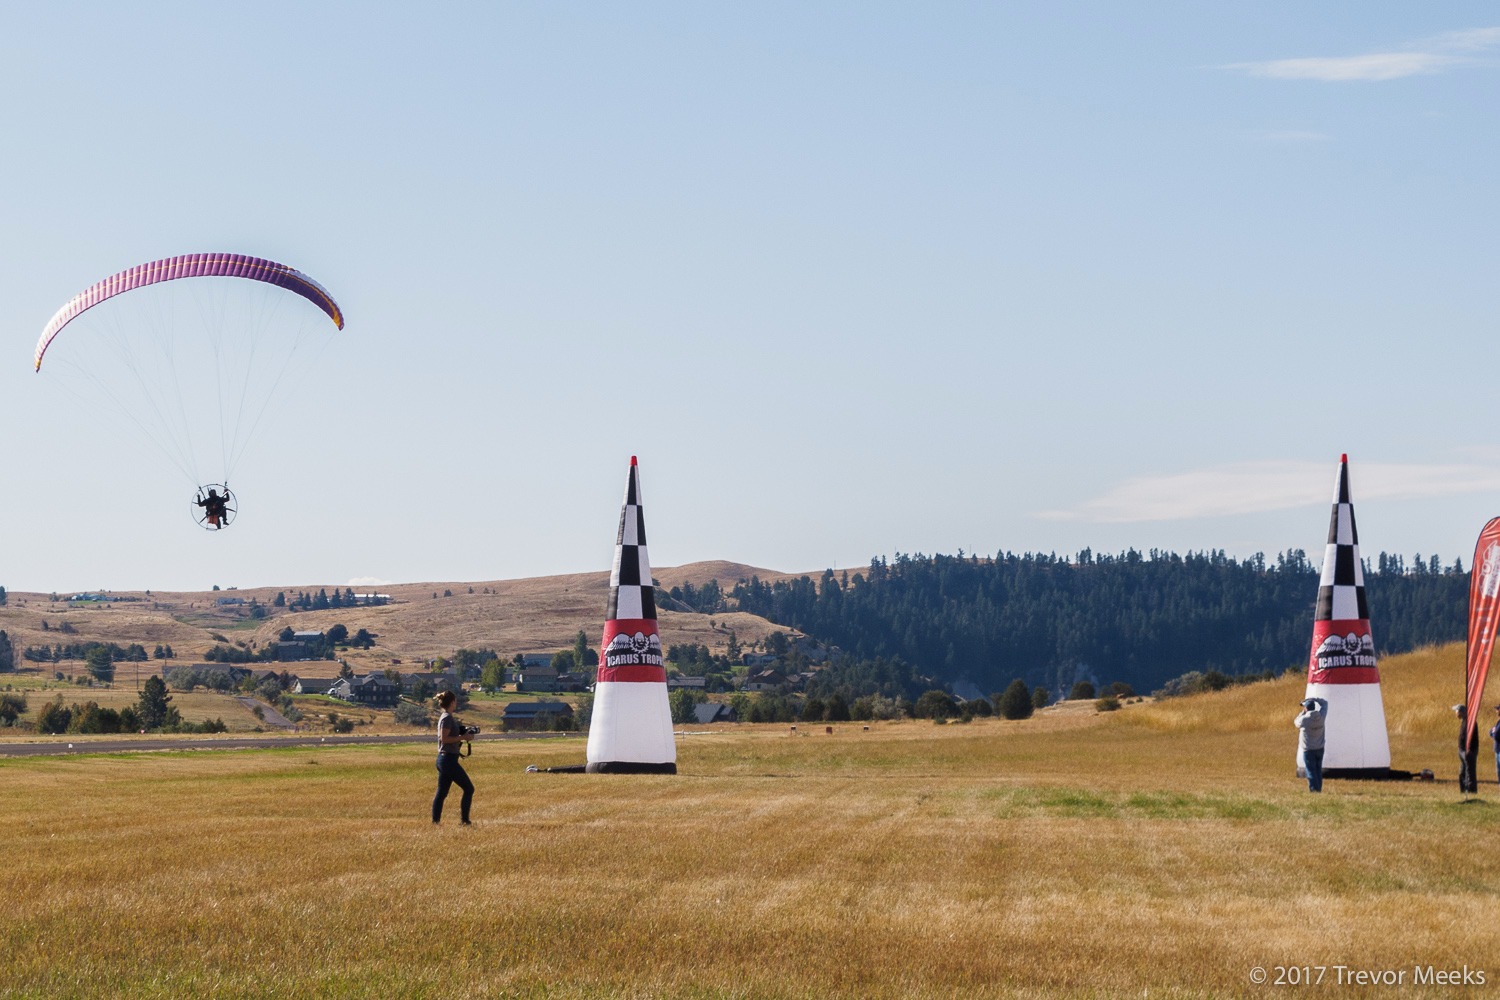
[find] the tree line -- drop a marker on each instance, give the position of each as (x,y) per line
(1138,618)
(322,600)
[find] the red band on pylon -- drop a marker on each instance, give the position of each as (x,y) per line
(1342,653)
(631,652)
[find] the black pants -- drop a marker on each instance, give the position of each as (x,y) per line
(451,772)
(1468,763)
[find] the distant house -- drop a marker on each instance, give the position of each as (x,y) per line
(83,598)
(572,682)
(378,689)
(376,599)
(539,678)
(675,681)
(758,659)
(536,659)
(437,681)
(766,680)
(314,685)
(375,690)
(711,712)
(524,714)
(228,601)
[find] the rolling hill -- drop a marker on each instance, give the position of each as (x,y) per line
(422,621)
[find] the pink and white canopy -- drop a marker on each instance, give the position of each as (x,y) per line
(193,265)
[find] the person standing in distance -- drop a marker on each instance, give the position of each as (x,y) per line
(1310,739)
(450,771)
(1468,751)
(1495,738)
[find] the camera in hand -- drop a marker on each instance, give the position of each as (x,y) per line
(469,730)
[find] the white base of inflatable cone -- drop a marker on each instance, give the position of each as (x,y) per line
(1354,737)
(631,730)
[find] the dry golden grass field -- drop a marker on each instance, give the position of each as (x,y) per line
(1163,850)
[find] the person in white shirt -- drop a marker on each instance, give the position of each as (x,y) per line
(1311,724)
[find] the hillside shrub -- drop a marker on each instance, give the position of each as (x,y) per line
(1109,703)
(875,707)
(187,678)
(206,726)
(100,663)
(1195,682)
(770,708)
(1015,702)
(90,718)
(936,704)
(1040,697)
(53,718)
(491,677)
(681,702)
(1082,691)
(154,709)
(12,707)
(409,714)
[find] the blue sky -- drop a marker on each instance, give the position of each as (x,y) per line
(851,279)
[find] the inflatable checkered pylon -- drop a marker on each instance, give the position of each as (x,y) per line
(631,727)
(1342,666)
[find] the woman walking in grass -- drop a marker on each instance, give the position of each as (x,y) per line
(450,771)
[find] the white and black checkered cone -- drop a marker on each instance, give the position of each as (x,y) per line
(1342,668)
(631,595)
(1341,592)
(631,727)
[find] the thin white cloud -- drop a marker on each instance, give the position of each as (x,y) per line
(1431,55)
(1339,69)
(1288,135)
(368,581)
(1472,40)
(1257,487)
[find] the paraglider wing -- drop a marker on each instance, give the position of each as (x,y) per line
(193,265)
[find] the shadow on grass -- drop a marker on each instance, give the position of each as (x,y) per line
(1082,803)
(1470,804)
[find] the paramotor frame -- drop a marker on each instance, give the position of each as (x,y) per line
(229,505)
